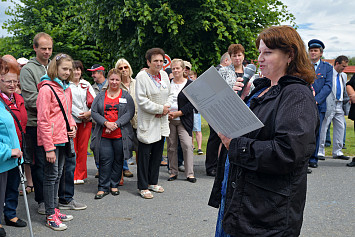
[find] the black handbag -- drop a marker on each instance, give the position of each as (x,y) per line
(352,112)
(26,157)
(69,146)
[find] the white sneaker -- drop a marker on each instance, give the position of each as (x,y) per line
(79,181)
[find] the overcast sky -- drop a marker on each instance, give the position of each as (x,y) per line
(332,21)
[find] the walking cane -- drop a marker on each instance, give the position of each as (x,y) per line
(25,197)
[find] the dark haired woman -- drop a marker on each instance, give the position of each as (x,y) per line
(262,190)
(82,116)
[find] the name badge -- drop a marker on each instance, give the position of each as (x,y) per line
(123,100)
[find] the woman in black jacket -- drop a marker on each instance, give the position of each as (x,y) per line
(265,186)
(181,124)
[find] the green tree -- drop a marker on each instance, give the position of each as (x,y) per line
(102,31)
(351,61)
(198,31)
(60,19)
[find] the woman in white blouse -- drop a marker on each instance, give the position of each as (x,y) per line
(181,124)
(82,116)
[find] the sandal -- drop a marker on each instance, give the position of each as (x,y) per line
(156,188)
(29,189)
(146,194)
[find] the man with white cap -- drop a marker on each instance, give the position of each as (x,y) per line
(22,62)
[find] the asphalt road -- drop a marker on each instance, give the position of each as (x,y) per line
(182,209)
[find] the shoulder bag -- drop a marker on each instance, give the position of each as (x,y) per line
(69,146)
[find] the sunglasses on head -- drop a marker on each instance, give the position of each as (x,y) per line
(60,56)
(121,68)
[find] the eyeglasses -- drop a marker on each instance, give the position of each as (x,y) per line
(121,68)
(60,56)
(10,82)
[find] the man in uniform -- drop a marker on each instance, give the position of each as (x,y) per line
(322,87)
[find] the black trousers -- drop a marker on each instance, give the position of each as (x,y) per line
(148,163)
(212,151)
(3,182)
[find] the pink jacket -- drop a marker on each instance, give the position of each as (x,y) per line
(51,126)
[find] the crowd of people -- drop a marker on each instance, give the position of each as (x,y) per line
(49,113)
(59,112)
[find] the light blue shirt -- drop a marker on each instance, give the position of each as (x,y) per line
(316,65)
(101,84)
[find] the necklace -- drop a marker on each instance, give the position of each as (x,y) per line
(113,94)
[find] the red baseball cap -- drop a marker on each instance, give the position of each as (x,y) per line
(96,67)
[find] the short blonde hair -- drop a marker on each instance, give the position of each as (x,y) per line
(124,61)
(52,71)
(178,60)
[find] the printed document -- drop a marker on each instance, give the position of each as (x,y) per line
(222,108)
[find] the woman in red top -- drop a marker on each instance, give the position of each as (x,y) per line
(111,140)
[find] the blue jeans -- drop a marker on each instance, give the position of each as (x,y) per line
(125,165)
(11,195)
(66,185)
(52,175)
(110,163)
(39,158)
(92,131)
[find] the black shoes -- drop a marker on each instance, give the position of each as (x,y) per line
(212,173)
(172,178)
(191,180)
(309,171)
(313,165)
(342,157)
(99,196)
(115,193)
(321,158)
(2,232)
(352,163)
(18,223)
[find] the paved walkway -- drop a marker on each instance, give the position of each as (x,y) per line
(182,209)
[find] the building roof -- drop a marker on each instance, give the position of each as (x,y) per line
(349,69)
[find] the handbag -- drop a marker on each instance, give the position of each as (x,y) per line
(89,97)
(26,157)
(69,146)
(352,112)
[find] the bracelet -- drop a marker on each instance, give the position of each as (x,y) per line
(50,150)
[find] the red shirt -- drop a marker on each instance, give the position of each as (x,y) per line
(111,114)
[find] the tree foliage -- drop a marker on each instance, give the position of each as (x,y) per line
(198,31)
(101,31)
(60,19)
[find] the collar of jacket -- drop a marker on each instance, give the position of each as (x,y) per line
(275,90)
